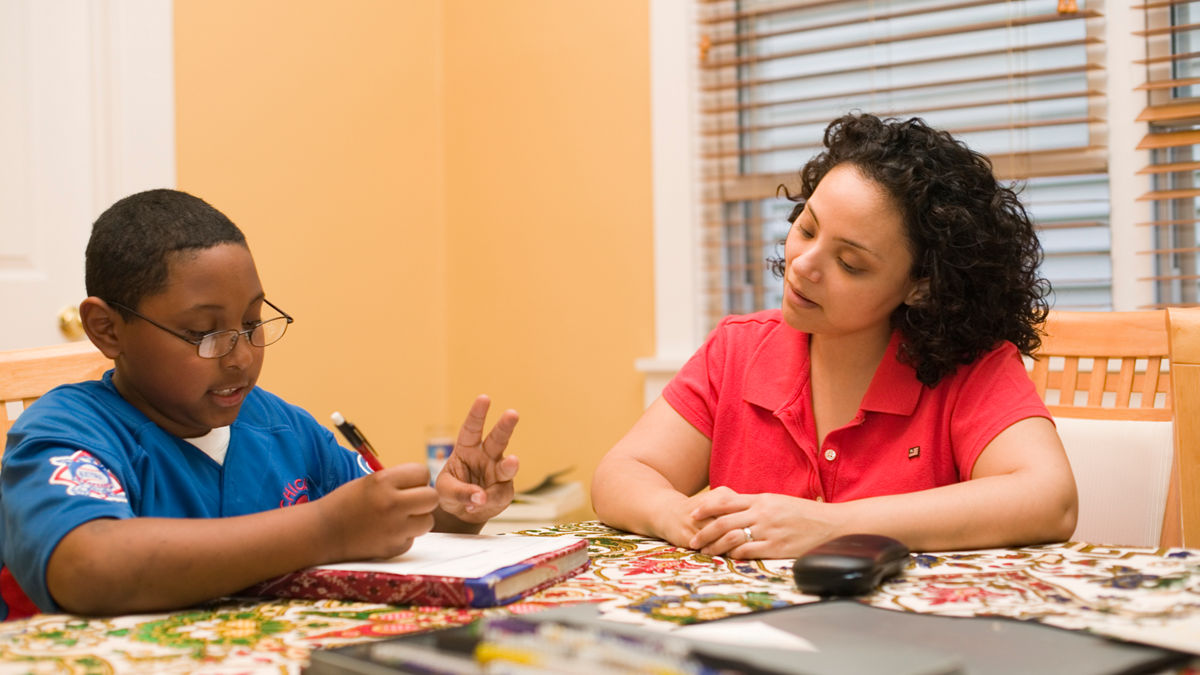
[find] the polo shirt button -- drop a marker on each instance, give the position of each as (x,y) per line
(830,454)
(820,498)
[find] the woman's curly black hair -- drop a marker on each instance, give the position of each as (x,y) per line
(970,237)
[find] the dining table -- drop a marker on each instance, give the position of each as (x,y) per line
(1148,596)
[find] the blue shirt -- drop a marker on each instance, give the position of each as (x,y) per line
(82,452)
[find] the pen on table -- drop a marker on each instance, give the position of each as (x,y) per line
(357,440)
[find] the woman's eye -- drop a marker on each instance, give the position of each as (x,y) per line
(804,233)
(848,267)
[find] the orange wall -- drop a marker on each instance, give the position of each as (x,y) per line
(453,197)
(316,126)
(548,211)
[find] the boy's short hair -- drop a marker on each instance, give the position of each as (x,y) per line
(131,242)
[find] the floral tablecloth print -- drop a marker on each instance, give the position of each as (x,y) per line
(1143,595)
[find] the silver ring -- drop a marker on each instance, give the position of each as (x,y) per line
(749,535)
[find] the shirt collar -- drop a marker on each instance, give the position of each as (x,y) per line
(895,388)
(779,371)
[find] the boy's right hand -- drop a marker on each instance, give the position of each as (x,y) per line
(379,515)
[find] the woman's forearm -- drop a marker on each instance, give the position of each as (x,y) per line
(993,511)
(628,495)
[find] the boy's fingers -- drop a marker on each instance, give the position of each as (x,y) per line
(506,469)
(497,439)
(412,502)
(410,474)
(457,490)
(472,428)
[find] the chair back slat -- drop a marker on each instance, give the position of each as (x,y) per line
(26,374)
(1154,382)
(1125,383)
(1113,356)
(1069,382)
(1097,383)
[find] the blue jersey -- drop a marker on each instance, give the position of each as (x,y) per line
(82,452)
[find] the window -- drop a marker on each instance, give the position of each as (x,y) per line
(1070,134)
(1019,80)
(1172,64)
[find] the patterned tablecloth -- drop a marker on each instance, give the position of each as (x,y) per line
(1144,595)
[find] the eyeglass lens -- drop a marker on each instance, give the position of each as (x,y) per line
(216,345)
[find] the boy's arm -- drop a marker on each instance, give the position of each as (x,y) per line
(110,566)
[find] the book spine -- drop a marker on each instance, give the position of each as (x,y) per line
(485,590)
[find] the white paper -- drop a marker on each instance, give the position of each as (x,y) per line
(746,634)
(468,556)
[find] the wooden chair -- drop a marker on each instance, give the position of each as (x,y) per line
(1115,383)
(26,374)
(1185,388)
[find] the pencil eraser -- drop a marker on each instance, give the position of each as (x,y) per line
(337,418)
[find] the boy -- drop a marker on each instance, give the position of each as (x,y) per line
(158,486)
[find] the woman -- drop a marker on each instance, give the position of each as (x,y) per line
(887,395)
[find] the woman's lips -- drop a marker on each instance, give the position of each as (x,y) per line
(798,298)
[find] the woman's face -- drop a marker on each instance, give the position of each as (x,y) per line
(848,260)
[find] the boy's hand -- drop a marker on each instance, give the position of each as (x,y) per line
(379,515)
(476,481)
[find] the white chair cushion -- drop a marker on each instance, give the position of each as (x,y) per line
(1122,471)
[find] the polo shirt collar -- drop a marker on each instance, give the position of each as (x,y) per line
(895,388)
(779,370)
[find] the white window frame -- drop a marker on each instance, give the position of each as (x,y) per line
(678,319)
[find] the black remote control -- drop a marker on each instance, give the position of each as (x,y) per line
(852,564)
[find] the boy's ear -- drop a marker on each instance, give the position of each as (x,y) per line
(100,323)
(919,292)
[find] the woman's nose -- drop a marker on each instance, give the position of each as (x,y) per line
(805,265)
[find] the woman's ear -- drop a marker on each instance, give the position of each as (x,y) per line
(100,323)
(918,294)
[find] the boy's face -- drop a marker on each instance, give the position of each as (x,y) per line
(163,376)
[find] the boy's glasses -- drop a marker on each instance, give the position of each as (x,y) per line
(218,343)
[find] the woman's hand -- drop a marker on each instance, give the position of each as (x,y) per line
(759,525)
(673,522)
(476,482)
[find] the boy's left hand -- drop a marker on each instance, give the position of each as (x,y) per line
(476,482)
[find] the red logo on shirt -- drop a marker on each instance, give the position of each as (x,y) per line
(85,476)
(295,492)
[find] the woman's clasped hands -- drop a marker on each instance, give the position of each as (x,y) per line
(724,522)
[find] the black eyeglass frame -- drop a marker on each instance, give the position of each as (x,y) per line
(200,340)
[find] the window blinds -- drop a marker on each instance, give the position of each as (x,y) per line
(1172,66)
(1019,80)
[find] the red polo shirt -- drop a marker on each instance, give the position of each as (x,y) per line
(748,390)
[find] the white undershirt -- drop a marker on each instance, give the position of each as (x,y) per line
(214,444)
